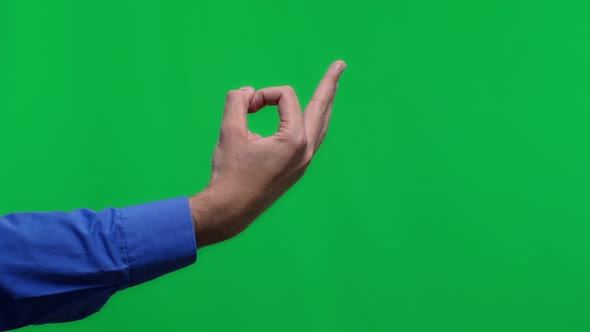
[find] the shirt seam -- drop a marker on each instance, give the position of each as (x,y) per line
(126,247)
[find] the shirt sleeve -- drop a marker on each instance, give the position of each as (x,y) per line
(59,267)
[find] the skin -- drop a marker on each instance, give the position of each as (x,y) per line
(251,172)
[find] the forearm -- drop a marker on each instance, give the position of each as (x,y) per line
(59,267)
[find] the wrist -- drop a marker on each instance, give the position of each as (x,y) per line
(212,217)
(220,212)
(203,214)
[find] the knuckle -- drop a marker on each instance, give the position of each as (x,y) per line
(231,131)
(287,89)
(300,142)
(322,103)
(296,142)
(307,157)
(258,99)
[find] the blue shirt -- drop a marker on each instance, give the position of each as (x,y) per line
(59,267)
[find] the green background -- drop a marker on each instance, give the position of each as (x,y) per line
(451,193)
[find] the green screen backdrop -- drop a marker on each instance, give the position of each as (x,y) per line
(451,193)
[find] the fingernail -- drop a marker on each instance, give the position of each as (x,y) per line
(340,65)
(247,88)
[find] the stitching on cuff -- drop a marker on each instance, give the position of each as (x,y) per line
(120,213)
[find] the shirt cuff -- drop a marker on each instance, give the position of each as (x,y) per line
(159,238)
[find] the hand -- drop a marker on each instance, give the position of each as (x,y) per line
(251,172)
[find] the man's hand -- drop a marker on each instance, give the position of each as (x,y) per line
(251,172)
